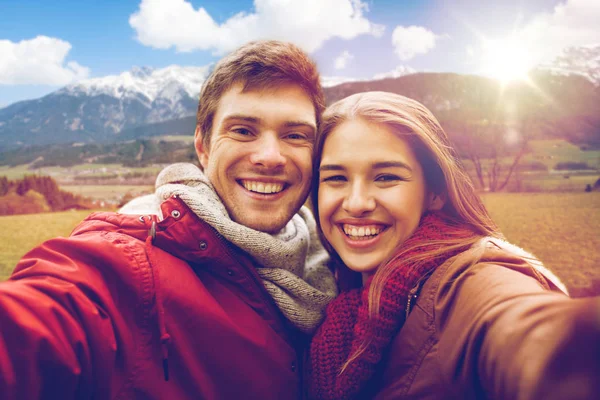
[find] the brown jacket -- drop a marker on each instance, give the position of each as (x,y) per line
(488,324)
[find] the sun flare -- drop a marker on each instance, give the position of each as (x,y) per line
(506,60)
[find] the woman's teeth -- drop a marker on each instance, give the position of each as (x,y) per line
(262,187)
(361,232)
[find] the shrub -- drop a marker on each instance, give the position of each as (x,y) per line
(31,202)
(35,194)
(571,165)
(532,166)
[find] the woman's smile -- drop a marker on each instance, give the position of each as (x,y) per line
(362,235)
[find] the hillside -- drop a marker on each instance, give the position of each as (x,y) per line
(95,110)
(134,153)
(567,106)
(562,100)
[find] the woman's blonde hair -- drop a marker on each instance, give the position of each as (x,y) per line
(444,176)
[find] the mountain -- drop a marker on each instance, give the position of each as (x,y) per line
(147,102)
(558,106)
(95,110)
(581,60)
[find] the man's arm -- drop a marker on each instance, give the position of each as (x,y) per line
(57,338)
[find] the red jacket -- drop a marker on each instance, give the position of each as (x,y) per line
(108,312)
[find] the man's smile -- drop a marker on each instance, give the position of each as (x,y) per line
(262,186)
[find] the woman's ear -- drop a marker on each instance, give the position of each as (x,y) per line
(436,201)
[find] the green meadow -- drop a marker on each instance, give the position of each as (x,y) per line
(20,233)
(112,194)
(562,229)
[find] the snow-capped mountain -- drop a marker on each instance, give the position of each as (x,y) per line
(401,70)
(146,81)
(99,109)
(96,109)
(397,72)
(329,81)
(580,60)
(130,104)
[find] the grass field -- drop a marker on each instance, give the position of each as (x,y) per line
(63,174)
(112,194)
(551,152)
(552,182)
(562,229)
(20,233)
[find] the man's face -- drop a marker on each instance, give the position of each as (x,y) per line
(260,155)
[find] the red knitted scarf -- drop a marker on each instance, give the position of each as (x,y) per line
(347,326)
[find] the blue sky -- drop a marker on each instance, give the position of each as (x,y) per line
(87,39)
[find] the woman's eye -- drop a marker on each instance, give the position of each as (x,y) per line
(334,178)
(388,178)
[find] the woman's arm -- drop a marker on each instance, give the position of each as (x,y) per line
(503,335)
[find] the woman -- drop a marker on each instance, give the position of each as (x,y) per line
(443,307)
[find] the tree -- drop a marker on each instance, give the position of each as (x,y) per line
(31,202)
(493,128)
(47,187)
(4,185)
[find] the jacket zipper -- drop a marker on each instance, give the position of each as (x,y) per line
(413,294)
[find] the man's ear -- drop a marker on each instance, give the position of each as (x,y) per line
(201,151)
(436,201)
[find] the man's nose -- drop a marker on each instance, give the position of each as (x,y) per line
(358,200)
(268,151)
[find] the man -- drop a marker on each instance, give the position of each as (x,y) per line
(209,291)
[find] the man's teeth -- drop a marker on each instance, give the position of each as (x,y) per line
(361,231)
(262,187)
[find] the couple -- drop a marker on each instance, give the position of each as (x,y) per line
(218,287)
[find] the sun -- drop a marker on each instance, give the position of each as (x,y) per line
(506,60)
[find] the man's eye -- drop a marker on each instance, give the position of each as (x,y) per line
(296,136)
(242,131)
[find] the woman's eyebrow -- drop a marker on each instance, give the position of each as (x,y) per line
(331,167)
(377,165)
(392,164)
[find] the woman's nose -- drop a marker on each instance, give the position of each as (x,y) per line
(359,200)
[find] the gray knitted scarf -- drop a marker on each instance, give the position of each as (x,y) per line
(293,262)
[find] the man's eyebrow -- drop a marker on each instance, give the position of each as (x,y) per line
(294,124)
(255,120)
(242,117)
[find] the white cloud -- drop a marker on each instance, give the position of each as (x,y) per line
(40,61)
(413,40)
(343,59)
(397,72)
(571,23)
(175,23)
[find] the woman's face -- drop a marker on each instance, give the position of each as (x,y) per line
(372,193)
